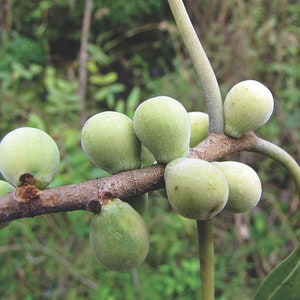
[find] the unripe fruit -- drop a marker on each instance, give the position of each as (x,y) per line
(247,107)
(31,151)
(5,188)
(199,127)
(195,188)
(109,141)
(119,236)
(244,186)
(139,203)
(162,124)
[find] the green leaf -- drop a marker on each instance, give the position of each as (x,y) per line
(34,120)
(109,78)
(92,67)
(133,100)
(283,281)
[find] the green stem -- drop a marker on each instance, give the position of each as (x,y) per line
(202,65)
(206,256)
(281,156)
(214,106)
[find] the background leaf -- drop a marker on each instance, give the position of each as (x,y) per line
(283,281)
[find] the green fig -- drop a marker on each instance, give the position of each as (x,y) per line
(28,151)
(195,188)
(139,203)
(109,141)
(199,127)
(119,237)
(162,125)
(244,186)
(247,107)
(5,188)
(147,157)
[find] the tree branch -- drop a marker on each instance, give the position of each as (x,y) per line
(27,201)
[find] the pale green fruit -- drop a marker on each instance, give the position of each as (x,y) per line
(119,237)
(247,107)
(244,186)
(195,188)
(162,124)
(147,157)
(31,151)
(5,188)
(139,203)
(199,127)
(109,141)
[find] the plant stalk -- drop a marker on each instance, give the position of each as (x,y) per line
(206,257)
(202,65)
(281,156)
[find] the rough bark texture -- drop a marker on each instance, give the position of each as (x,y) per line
(27,201)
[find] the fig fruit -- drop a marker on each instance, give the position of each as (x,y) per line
(139,203)
(119,237)
(247,106)
(244,186)
(195,188)
(163,126)
(5,188)
(109,141)
(28,151)
(199,127)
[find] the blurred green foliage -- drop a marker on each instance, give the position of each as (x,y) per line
(135,53)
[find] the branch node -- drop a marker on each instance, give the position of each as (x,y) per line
(27,193)
(105,196)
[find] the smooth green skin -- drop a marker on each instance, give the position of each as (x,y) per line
(5,188)
(119,237)
(28,150)
(199,127)
(109,141)
(244,186)
(162,125)
(195,188)
(139,203)
(247,107)
(147,157)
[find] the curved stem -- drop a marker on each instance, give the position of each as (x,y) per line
(281,156)
(202,65)
(206,257)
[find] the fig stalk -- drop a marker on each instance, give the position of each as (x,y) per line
(281,156)
(206,258)
(202,66)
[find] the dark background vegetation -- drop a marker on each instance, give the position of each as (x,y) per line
(135,53)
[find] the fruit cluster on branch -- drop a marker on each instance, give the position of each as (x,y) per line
(83,196)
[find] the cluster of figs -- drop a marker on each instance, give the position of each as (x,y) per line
(195,188)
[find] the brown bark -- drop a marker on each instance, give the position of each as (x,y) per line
(27,201)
